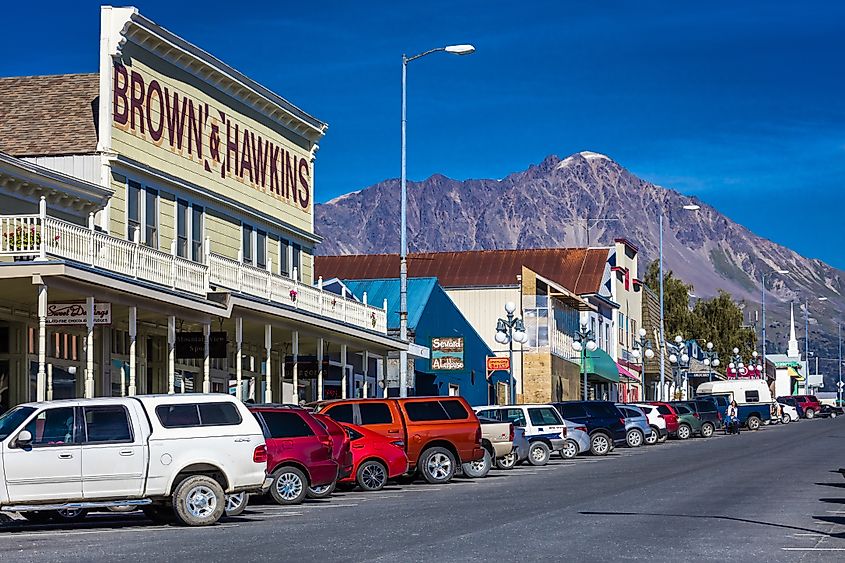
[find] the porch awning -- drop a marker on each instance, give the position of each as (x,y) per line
(627,374)
(600,365)
(794,373)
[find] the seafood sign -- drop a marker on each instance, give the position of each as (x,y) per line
(447,353)
(77,313)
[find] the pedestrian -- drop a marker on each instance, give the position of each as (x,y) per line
(733,418)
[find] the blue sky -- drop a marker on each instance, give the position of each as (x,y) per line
(738,103)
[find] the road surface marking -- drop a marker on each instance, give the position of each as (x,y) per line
(813,548)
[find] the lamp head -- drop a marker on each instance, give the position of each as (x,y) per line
(715,362)
(649,353)
(642,332)
(673,359)
(782,271)
(736,350)
(709,345)
(501,338)
(577,346)
(706,361)
(635,353)
(591,346)
(510,307)
(520,337)
(460,49)
(685,358)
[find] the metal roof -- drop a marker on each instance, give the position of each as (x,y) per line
(578,269)
(419,291)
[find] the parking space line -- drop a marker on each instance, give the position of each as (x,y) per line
(132,530)
(813,548)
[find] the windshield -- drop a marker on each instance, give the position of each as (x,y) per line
(12,419)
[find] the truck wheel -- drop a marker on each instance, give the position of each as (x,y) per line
(478,468)
(684,431)
(437,465)
(810,413)
(634,438)
(506,462)
(371,475)
(753,422)
(600,444)
(569,450)
(236,504)
(538,454)
(199,500)
(707,430)
(320,492)
(289,486)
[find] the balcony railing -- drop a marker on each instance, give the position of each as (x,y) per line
(28,237)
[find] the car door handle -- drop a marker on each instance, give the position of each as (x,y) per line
(393,432)
(127,452)
(65,456)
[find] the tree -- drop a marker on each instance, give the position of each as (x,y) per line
(719,319)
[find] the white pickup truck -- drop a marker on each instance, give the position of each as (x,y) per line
(173,456)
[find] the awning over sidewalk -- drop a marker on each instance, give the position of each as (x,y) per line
(599,365)
(627,374)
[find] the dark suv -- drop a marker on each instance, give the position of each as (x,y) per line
(705,410)
(605,424)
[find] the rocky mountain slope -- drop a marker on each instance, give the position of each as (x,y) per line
(551,204)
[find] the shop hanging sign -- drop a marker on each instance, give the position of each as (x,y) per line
(447,353)
(191,345)
(77,313)
(495,363)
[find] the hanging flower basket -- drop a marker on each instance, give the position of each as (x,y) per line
(373,318)
(23,239)
(293,295)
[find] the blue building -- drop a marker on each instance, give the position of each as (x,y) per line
(457,365)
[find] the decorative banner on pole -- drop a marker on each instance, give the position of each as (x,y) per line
(77,314)
(447,353)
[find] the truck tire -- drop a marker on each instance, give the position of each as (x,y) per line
(707,430)
(320,492)
(198,500)
(753,422)
(478,468)
(684,431)
(600,444)
(437,465)
(506,462)
(371,475)
(538,454)
(236,504)
(289,486)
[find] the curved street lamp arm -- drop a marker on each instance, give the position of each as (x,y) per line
(406,60)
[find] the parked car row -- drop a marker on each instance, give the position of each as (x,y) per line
(193,458)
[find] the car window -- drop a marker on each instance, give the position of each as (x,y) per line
(107,424)
(705,405)
(455,409)
(663,409)
(489,413)
(375,413)
(285,425)
(544,416)
(353,434)
(573,410)
(752,396)
(602,410)
(340,413)
(515,416)
(683,409)
(12,419)
(219,414)
(52,427)
(198,414)
(421,411)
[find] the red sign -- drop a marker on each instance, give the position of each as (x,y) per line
(495,363)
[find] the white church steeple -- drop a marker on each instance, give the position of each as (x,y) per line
(792,349)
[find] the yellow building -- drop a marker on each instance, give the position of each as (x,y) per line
(158,234)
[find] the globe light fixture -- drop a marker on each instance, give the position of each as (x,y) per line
(642,332)
(577,346)
(649,353)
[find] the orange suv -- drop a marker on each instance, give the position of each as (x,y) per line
(438,433)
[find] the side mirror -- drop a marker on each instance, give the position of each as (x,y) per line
(24,439)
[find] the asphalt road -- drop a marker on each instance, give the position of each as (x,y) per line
(771,495)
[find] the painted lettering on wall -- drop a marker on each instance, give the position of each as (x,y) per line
(209,137)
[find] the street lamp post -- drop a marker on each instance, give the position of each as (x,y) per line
(584,341)
(642,343)
(403,247)
(807,342)
(711,360)
(840,384)
(679,358)
(763,277)
(690,207)
(508,331)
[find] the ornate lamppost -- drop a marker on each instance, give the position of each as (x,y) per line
(679,359)
(584,341)
(508,331)
(642,350)
(711,359)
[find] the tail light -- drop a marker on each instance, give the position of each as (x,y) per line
(563,431)
(510,433)
(719,416)
(478,434)
(696,415)
(581,428)
(327,442)
(622,421)
(259,455)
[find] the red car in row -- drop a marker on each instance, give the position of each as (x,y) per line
(669,414)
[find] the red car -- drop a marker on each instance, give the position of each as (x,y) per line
(341,452)
(299,451)
(669,414)
(809,404)
(375,458)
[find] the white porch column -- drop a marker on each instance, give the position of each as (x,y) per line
(206,362)
(133,338)
(343,390)
(40,386)
(89,348)
(268,348)
(319,369)
(295,365)
(365,368)
(380,374)
(171,356)
(239,353)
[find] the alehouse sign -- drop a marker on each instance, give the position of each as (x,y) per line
(209,137)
